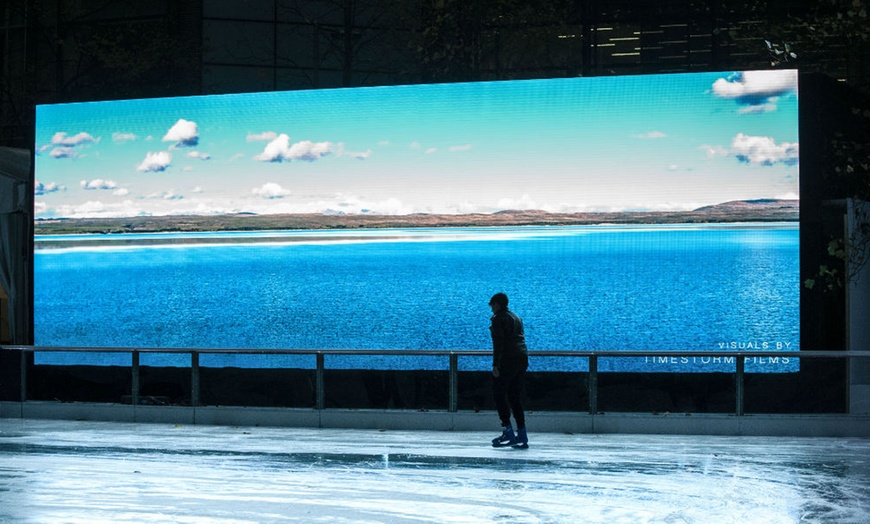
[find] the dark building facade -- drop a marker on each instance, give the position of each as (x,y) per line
(67,51)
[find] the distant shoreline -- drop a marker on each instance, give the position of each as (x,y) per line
(119,241)
(766,210)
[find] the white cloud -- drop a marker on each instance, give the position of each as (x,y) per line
(763,150)
(264,136)
(199,155)
(759,91)
(759,150)
(390,206)
(714,151)
(62,139)
(275,149)
(309,151)
(431,150)
(280,150)
(64,152)
(158,161)
(163,195)
(651,135)
(342,203)
(66,146)
(270,190)
(755,109)
(197,189)
(44,189)
(184,133)
(524,202)
(764,84)
(362,155)
(98,183)
(121,191)
(96,208)
(123,137)
(353,204)
(466,147)
(90,208)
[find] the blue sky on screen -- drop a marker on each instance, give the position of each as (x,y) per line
(656,142)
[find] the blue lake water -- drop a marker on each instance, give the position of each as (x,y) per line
(710,287)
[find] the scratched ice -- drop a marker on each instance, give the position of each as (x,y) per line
(91,472)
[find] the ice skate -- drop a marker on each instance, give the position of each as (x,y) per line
(522,440)
(507,438)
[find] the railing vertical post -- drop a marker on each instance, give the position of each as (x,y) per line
(134,387)
(453,396)
(319,387)
(23,367)
(738,386)
(194,378)
(593,384)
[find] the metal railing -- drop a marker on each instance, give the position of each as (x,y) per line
(739,358)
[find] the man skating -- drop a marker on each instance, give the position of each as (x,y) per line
(510,360)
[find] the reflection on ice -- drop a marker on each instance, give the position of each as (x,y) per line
(54,471)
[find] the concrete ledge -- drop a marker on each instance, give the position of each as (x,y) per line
(164,414)
(833,425)
(798,425)
(11,410)
(256,416)
(859,396)
(386,419)
(679,424)
(78,411)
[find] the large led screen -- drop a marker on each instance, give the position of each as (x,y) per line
(645,213)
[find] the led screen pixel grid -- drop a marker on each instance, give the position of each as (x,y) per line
(651,146)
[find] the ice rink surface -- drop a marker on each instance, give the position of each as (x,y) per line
(94,472)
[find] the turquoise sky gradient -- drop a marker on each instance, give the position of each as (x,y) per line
(657,142)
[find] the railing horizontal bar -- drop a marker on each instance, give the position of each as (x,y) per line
(446,352)
(250,351)
(732,356)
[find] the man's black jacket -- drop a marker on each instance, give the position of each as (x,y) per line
(508,340)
